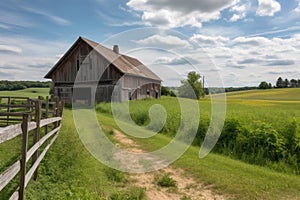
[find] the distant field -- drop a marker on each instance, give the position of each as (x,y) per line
(289,94)
(276,107)
(29,92)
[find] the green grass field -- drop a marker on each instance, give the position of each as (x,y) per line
(70,172)
(288,94)
(29,92)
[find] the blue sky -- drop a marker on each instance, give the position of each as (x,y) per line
(242,42)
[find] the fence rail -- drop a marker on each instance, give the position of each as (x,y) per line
(34,118)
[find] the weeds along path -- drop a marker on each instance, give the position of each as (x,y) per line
(186,187)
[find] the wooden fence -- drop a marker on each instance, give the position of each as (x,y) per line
(23,115)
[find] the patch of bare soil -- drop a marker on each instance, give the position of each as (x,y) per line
(186,186)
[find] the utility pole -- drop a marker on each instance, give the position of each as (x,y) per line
(203,83)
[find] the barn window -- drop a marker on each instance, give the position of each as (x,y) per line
(148,93)
(129,95)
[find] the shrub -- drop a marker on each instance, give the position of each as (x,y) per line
(201,132)
(232,128)
(115,175)
(165,181)
(260,145)
(140,118)
(289,133)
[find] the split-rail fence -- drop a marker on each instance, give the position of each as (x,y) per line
(37,118)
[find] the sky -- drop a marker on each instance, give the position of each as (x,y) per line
(231,42)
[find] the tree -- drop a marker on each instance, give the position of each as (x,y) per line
(294,83)
(286,83)
(270,85)
(191,87)
(264,85)
(279,83)
(165,91)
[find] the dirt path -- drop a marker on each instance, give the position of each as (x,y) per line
(186,186)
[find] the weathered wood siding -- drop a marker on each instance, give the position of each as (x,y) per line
(139,88)
(89,68)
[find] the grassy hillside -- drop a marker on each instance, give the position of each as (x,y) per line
(276,106)
(233,178)
(29,92)
(70,172)
(257,131)
(288,94)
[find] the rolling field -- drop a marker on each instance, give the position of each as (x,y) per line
(276,107)
(288,94)
(29,92)
(70,172)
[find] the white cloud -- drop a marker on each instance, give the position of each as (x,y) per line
(297,9)
(242,56)
(10,49)
(178,13)
(175,61)
(204,40)
(4,26)
(53,18)
(268,7)
(253,41)
(238,57)
(164,42)
(27,58)
(240,11)
(8,18)
(280,72)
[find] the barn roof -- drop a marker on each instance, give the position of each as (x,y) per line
(126,64)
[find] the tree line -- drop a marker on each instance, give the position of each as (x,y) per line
(281,83)
(286,83)
(19,85)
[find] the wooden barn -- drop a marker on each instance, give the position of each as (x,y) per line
(91,64)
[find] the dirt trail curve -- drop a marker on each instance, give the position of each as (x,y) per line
(186,186)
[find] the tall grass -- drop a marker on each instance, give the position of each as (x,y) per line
(261,127)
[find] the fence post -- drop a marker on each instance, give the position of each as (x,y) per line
(56,110)
(24,127)
(36,136)
(46,113)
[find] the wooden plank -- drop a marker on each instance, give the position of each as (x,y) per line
(36,164)
(23,158)
(9,174)
(36,136)
(41,142)
(15,106)
(12,113)
(46,113)
(49,121)
(14,196)
(13,131)
(6,97)
(11,119)
(56,124)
